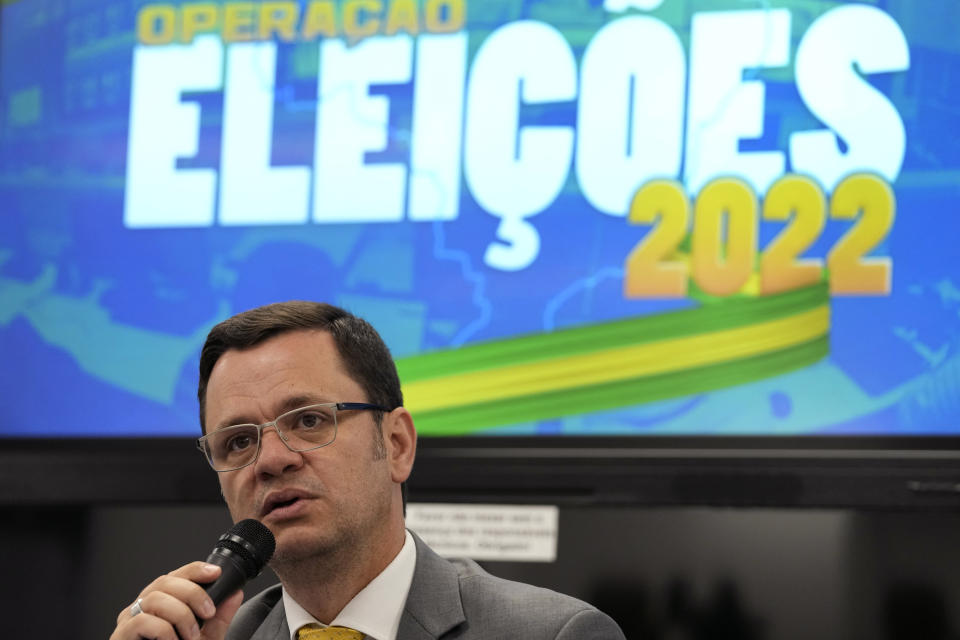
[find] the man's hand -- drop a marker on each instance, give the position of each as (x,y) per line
(171,605)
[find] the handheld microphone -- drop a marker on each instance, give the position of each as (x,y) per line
(241,553)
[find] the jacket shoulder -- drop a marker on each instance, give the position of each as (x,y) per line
(495,607)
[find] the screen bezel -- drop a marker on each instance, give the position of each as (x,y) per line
(904,472)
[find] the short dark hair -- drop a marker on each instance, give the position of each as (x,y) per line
(365,355)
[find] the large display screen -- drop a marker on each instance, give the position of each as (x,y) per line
(646,217)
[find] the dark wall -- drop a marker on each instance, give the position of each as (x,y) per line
(672,573)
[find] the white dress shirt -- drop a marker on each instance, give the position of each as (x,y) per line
(377,609)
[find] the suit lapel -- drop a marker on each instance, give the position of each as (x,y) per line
(263,618)
(433,605)
(274,626)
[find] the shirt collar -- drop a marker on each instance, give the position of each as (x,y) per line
(377,609)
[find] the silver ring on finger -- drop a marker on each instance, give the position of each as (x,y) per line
(136,609)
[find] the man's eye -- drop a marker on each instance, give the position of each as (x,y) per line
(239,442)
(312,420)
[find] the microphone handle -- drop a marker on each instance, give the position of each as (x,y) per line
(231,577)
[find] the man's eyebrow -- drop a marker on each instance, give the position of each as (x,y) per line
(232,422)
(296,402)
(289,404)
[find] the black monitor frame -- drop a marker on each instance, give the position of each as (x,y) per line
(900,473)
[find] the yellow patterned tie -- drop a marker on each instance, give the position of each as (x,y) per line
(316,632)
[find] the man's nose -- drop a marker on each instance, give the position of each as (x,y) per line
(275,456)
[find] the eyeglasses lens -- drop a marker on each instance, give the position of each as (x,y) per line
(309,427)
(232,447)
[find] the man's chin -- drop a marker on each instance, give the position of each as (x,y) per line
(299,544)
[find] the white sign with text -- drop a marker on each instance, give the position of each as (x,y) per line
(487,532)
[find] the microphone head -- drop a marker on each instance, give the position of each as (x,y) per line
(250,542)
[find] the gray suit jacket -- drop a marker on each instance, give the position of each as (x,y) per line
(455,600)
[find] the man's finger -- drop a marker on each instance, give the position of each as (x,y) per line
(216,627)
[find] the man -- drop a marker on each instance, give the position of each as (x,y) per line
(304,421)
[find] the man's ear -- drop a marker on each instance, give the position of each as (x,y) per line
(400,438)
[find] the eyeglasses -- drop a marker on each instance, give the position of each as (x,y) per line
(302,429)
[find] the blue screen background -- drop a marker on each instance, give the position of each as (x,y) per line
(101,325)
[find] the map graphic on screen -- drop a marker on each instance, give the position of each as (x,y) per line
(675,217)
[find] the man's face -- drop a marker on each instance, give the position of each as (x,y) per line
(315,501)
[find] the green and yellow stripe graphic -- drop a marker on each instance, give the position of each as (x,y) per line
(615,364)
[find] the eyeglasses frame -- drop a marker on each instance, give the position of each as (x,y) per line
(338,406)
